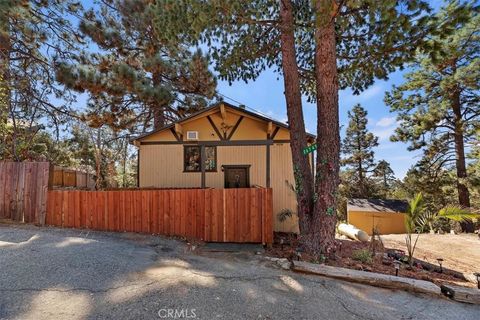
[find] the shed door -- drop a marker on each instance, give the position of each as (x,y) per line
(237,176)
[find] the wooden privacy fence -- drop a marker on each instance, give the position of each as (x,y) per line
(68,178)
(217,215)
(23,191)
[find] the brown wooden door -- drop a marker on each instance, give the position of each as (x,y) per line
(237,176)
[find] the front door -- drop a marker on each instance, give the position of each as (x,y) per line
(237,176)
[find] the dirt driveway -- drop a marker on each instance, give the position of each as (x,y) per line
(49,273)
(460,252)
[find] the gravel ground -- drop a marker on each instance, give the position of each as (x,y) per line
(49,273)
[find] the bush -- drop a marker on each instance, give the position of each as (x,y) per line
(442,225)
(362,255)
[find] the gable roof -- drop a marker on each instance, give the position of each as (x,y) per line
(377,205)
(213,107)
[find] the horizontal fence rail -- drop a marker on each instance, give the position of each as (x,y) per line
(217,215)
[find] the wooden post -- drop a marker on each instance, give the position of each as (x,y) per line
(268,166)
(138,168)
(313,165)
(19,194)
(203,156)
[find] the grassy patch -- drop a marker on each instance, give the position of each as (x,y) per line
(362,255)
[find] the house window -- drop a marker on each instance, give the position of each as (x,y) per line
(192,159)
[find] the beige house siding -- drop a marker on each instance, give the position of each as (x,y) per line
(283,196)
(248,129)
(255,156)
(162,166)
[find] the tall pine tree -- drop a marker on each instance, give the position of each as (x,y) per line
(438,105)
(33,36)
(386,178)
(134,78)
(358,147)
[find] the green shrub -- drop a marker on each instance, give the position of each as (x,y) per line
(362,255)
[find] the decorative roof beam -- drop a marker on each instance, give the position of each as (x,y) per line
(179,129)
(269,128)
(215,128)
(223,111)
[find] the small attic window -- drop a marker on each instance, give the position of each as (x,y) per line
(192,135)
(192,159)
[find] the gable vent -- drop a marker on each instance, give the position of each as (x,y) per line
(192,135)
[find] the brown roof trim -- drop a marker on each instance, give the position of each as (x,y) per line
(217,105)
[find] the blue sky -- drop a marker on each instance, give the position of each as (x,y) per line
(266,95)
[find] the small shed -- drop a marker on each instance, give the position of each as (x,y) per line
(387,215)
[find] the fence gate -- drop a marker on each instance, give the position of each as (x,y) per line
(23,191)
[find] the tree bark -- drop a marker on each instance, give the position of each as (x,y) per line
(322,229)
(4,65)
(361,180)
(158,110)
(158,116)
(463,194)
(293,96)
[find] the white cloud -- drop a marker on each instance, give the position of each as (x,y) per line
(371,92)
(384,133)
(385,122)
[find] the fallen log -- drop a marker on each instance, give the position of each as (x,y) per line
(352,232)
(370,278)
(462,294)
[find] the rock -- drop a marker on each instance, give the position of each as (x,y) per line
(285,265)
(273,259)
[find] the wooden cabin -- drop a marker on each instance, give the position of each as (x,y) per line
(223,146)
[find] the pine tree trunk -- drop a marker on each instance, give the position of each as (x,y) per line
(361,180)
(463,194)
(322,229)
(158,110)
(4,65)
(298,136)
(158,116)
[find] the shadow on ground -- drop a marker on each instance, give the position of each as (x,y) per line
(51,273)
